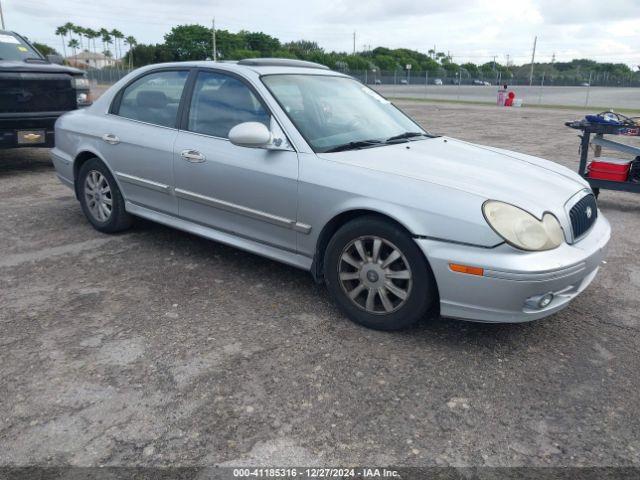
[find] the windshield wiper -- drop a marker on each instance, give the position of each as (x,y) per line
(353,145)
(34,59)
(406,135)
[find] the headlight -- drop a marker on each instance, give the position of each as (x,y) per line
(521,229)
(81,83)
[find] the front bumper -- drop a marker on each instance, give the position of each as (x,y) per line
(512,278)
(9,128)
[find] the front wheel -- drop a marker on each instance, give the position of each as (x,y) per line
(377,274)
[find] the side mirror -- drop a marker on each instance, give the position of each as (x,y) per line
(250,134)
(57,59)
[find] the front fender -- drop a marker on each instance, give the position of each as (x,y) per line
(329,189)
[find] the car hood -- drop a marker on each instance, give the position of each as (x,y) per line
(529,182)
(24,67)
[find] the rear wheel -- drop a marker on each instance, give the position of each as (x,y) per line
(377,274)
(100,197)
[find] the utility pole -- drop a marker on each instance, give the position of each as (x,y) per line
(213,34)
(354,43)
(533,57)
(1,16)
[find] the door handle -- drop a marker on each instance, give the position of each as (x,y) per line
(110,138)
(192,156)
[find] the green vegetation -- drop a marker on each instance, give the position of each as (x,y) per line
(84,40)
(194,42)
(44,49)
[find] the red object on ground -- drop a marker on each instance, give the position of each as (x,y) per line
(509,101)
(615,169)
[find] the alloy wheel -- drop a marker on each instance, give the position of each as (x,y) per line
(98,195)
(375,275)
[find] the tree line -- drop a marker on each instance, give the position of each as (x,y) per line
(195,42)
(84,39)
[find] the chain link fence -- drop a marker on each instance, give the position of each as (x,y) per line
(409,77)
(109,76)
(106,76)
(463,87)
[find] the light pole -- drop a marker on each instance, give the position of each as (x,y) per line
(213,34)
(1,16)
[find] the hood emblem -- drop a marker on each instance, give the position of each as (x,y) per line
(589,212)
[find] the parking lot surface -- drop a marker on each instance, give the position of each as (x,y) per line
(155,347)
(603,97)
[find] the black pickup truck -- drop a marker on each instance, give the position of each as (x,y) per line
(34,92)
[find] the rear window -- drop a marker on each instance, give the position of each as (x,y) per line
(14,48)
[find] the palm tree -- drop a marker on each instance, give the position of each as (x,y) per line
(131,42)
(61,31)
(91,39)
(106,38)
(69,29)
(73,45)
(79,31)
(91,36)
(117,34)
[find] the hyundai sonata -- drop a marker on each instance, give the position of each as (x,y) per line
(309,167)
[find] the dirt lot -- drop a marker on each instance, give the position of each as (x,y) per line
(156,347)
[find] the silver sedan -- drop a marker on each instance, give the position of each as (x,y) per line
(306,166)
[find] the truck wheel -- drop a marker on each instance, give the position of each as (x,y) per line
(100,198)
(378,275)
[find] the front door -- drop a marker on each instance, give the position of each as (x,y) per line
(139,135)
(249,192)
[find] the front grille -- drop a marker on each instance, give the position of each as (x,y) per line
(583,215)
(30,93)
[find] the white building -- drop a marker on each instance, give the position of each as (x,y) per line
(90,60)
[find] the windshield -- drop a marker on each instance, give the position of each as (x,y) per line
(14,48)
(332,111)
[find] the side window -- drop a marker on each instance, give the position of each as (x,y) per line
(154,98)
(220,102)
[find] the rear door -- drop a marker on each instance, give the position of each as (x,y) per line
(139,134)
(250,192)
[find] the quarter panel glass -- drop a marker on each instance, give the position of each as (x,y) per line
(154,98)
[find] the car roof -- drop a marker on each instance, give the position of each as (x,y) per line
(260,66)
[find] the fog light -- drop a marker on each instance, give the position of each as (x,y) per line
(545,300)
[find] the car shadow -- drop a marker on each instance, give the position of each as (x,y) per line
(21,160)
(255,267)
(626,205)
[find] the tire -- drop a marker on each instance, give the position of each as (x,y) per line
(343,277)
(117,219)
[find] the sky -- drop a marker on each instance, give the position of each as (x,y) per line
(470,30)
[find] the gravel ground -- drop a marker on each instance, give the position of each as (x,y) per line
(157,348)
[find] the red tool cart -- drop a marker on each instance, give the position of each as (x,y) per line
(603,172)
